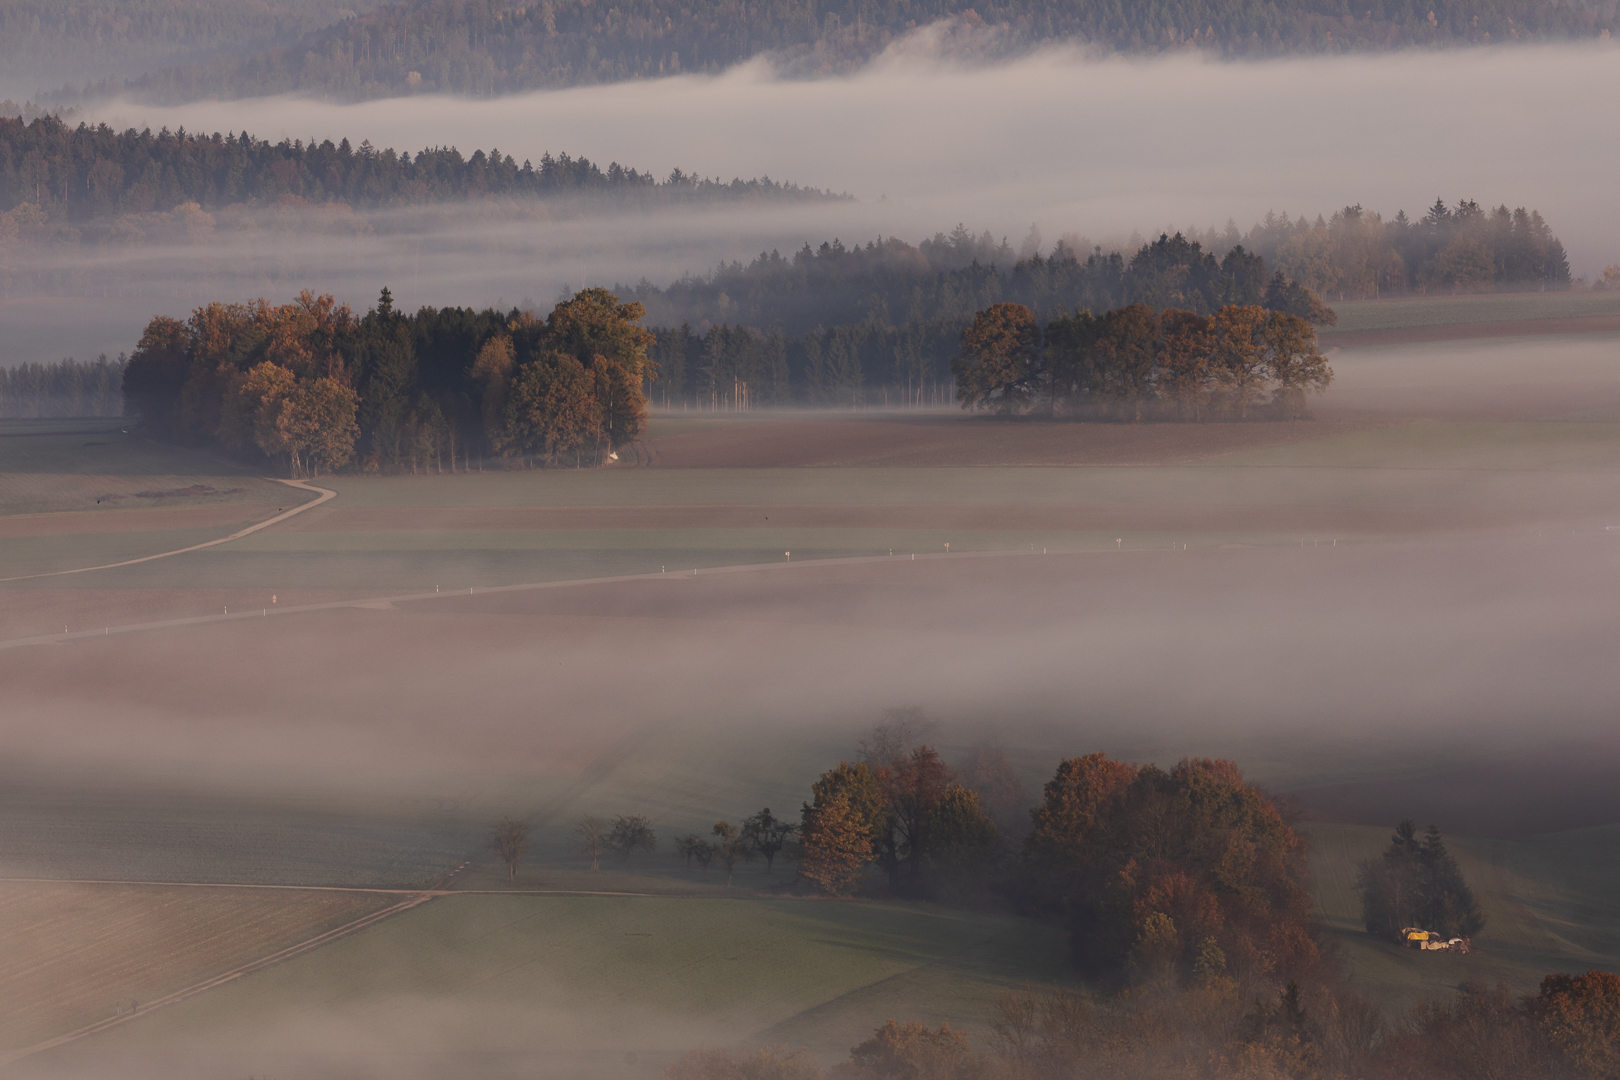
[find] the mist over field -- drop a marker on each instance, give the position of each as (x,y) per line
(1100,147)
(402,696)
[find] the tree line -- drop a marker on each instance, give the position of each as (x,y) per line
(486,48)
(312,387)
(1567,1030)
(62,388)
(85,173)
(1355,255)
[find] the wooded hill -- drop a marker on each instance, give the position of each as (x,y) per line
(490,47)
(58,42)
(83,173)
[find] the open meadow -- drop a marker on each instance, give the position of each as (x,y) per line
(1398,609)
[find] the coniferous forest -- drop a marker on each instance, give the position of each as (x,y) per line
(489,47)
(80,174)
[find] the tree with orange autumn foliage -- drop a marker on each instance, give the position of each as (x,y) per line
(1166,870)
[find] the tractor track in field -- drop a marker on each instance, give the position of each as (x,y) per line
(412,898)
(383,602)
(324,495)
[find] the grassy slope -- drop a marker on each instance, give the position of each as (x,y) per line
(596,982)
(1547,902)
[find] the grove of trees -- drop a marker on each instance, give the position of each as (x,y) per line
(878,323)
(312,386)
(62,388)
(1417,883)
(1134,363)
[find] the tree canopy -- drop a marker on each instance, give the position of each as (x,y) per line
(1170,872)
(312,386)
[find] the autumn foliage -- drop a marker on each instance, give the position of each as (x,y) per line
(313,387)
(1136,362)
(1189,874)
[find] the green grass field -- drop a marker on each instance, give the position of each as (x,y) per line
(583,986)
(1281,495)
(59,466)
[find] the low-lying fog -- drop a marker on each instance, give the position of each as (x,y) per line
(1076,143)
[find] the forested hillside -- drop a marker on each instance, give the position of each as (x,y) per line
(54,42)
(488,47)
(84,173)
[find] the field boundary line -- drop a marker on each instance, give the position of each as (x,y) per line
(363,603)
(325,494)
(218,980)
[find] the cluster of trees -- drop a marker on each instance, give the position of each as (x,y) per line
(1185,877)
(1417,883)
(83,173)
(879,324)
(1188,875)
(1570,1030)
(485,47)
(1357,255)
(63,388)
(312,386)
(1243,361)
(942,281)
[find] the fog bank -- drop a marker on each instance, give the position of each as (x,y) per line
(1074,141)
(1100,147)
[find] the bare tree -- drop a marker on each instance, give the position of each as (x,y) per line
(687,846)
(733,847)
(510,839)
(631,834)
(767,834)
(894,735)
(590,836)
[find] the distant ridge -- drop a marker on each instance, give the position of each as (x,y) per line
(486,48)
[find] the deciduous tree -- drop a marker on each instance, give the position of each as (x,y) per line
(733,847)
(1294,362)
(836,838)
(768,834)
(1238,356)
(999,366)
(510,839)
(590,837)
(631,833)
